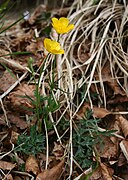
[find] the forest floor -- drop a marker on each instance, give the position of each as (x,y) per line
(64,116)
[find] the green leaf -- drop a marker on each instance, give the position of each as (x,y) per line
(31,144)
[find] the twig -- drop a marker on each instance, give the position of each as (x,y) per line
(24,173)
(47,146)
(5,114)
(13,86)
(84,173)
(1,157)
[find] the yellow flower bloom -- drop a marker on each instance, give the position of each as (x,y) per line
(53,46)
(62,25)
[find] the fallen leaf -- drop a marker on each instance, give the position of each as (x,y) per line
(6,165)
(124,148)
(116,127)
(14,65)
(81,51)
(82,110)
(2,120)
(14,137)
(3,136)
(115,87)
(51,174)
(32,47)
(106,172)
(115,139)
(58,151)
(112,83)
(36,46)
(97,112)
(100,112)
(17,178)
(124,125)
(118,99)
(4,52)
(8,177)
(20,44)
(123,172)
(42,160)
(102,173)
(96,174)
(31,165)
(38,11)
(18,98)
(7,80)
(108,149)
(121,159)
(17,120)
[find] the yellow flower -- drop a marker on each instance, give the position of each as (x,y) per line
(62,25)
(53,46)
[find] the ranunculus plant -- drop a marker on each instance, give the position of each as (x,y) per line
(62,25)
(53,46)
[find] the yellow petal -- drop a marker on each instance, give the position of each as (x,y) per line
(53,46)
(47,43)
(61,51)
(54,20)
(70,27)
(62,25)
(64,21)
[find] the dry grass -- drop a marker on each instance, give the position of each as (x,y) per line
(99,40)
(102,30)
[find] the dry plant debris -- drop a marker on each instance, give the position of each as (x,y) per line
(64,92)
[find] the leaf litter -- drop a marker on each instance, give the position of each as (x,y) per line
(90,87)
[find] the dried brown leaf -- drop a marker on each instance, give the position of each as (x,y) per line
(42,159)
(31,165)
(112,83)
(4,52)
(83,109)
(17,120)
(122,160)
(6,165)
(20,43)
(51,174)
(118,99)
(36,46)
(32,47)
(7,80)
(116,127)
(38,11)
(96,174)
(81,52)
(109,149)
(106,172)
(124,148)
(14,137)
(102,173)
(58,151)
(17,178)
(2,120)
(8,177)
(115,87)
(18,98)
(63,11)
(100,112)
(12,64)
(124,125)
(97,112)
